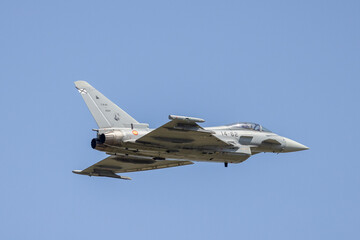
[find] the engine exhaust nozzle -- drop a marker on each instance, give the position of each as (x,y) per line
(111,138)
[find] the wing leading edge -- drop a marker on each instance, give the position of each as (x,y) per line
(183,132)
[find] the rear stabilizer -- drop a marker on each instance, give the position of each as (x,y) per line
(106,113)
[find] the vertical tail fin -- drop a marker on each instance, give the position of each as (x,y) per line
(106,113)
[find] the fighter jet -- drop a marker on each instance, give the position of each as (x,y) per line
(133,146)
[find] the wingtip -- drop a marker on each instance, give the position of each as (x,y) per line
(125,178)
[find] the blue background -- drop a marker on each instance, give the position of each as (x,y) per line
(292,66)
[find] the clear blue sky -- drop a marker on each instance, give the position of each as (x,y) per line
(293,66)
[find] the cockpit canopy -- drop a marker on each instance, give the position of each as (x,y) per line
(248,126)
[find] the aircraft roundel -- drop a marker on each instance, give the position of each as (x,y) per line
(135,132)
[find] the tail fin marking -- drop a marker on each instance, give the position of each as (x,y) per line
(105,112)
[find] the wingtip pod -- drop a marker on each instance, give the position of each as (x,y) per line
(77,171)
(184,118)
(125,178)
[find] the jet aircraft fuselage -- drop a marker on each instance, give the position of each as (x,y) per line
(246,139)
(133,146)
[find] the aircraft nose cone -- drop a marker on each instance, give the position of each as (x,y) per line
(293,146)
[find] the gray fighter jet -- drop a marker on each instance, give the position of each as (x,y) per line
(133,146)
